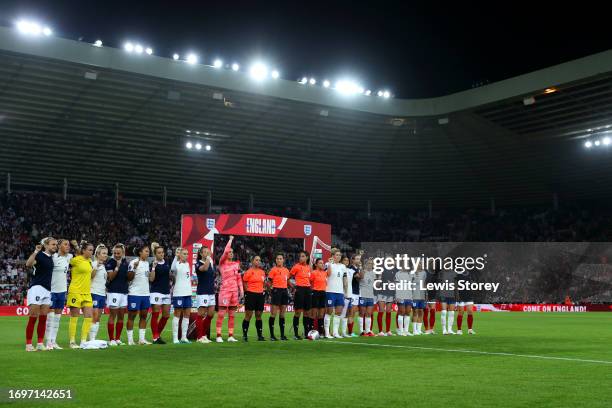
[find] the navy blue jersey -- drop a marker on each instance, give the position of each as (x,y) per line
(161,283)
(43,270)
(355,280)
(206,279)
(120,283)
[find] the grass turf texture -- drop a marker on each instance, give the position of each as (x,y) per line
(326,373)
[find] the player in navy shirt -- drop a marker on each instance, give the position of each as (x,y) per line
(39,293)
(160,292)
(206,273)
(117,289)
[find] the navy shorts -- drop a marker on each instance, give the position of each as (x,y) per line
(99,301)
(58,300)
(449,300)
(365,302)
(181,302)
(418,304)
(334,299)
(138,302)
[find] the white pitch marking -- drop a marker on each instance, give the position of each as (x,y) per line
(490,353)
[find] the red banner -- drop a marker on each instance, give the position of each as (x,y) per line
(544,308)
(200,229)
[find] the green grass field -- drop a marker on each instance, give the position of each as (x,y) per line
(545,366)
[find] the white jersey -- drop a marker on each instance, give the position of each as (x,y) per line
(60,272)
(403,292)
(98,283)
(335,279)
(349,276)
(139,286)
(182,279)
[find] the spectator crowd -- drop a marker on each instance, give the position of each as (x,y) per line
(27,217)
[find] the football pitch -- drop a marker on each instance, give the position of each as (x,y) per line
(515,360)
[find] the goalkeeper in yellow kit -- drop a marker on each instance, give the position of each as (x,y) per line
(79,292)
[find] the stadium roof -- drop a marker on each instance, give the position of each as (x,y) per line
(100,115)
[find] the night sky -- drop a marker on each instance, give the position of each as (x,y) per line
(414,50)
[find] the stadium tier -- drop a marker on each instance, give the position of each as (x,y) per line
(130,117)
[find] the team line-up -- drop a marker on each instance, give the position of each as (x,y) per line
(327,296)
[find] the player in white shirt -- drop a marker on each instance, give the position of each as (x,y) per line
(59,287)
(337,286)
(418,301)
(180,273)
(366,298)
(98,288)
(403,299)
(138,295)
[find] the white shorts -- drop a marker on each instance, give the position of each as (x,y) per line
(462,304)
(116,300)
(38,295)
(159,299)
(355,299)
(205,300)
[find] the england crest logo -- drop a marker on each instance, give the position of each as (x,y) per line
(308,229)
(210,223)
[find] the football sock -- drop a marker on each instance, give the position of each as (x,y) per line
(337,320)
(141,334)
(271,326)
(200,327)
(40,329)
(350,325)
(130,336)
(259,327)
(400,324)
(175,327)
(72,328)
(379,319)
(432,319)
(85,328)
(415,327)
(361,326)
(326,323)
(407,323)
(118,329)
(419,325)
(161,325)
(184,328)
(30,329)
(443,319)
(368,324)
(344,326)
(245,327)
(388,321)
(220,318)
(459,321)
(450,319)
(307,321)
(110,328)
(470,320)
(50,324)
(93,331)
(56,326)
(426,318)
(207,321)
(230,322)
(155,325)
(281,323)
(296,324)
(320,326)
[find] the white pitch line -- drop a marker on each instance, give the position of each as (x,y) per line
(490,353)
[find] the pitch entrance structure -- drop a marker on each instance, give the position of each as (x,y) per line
(199,230)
